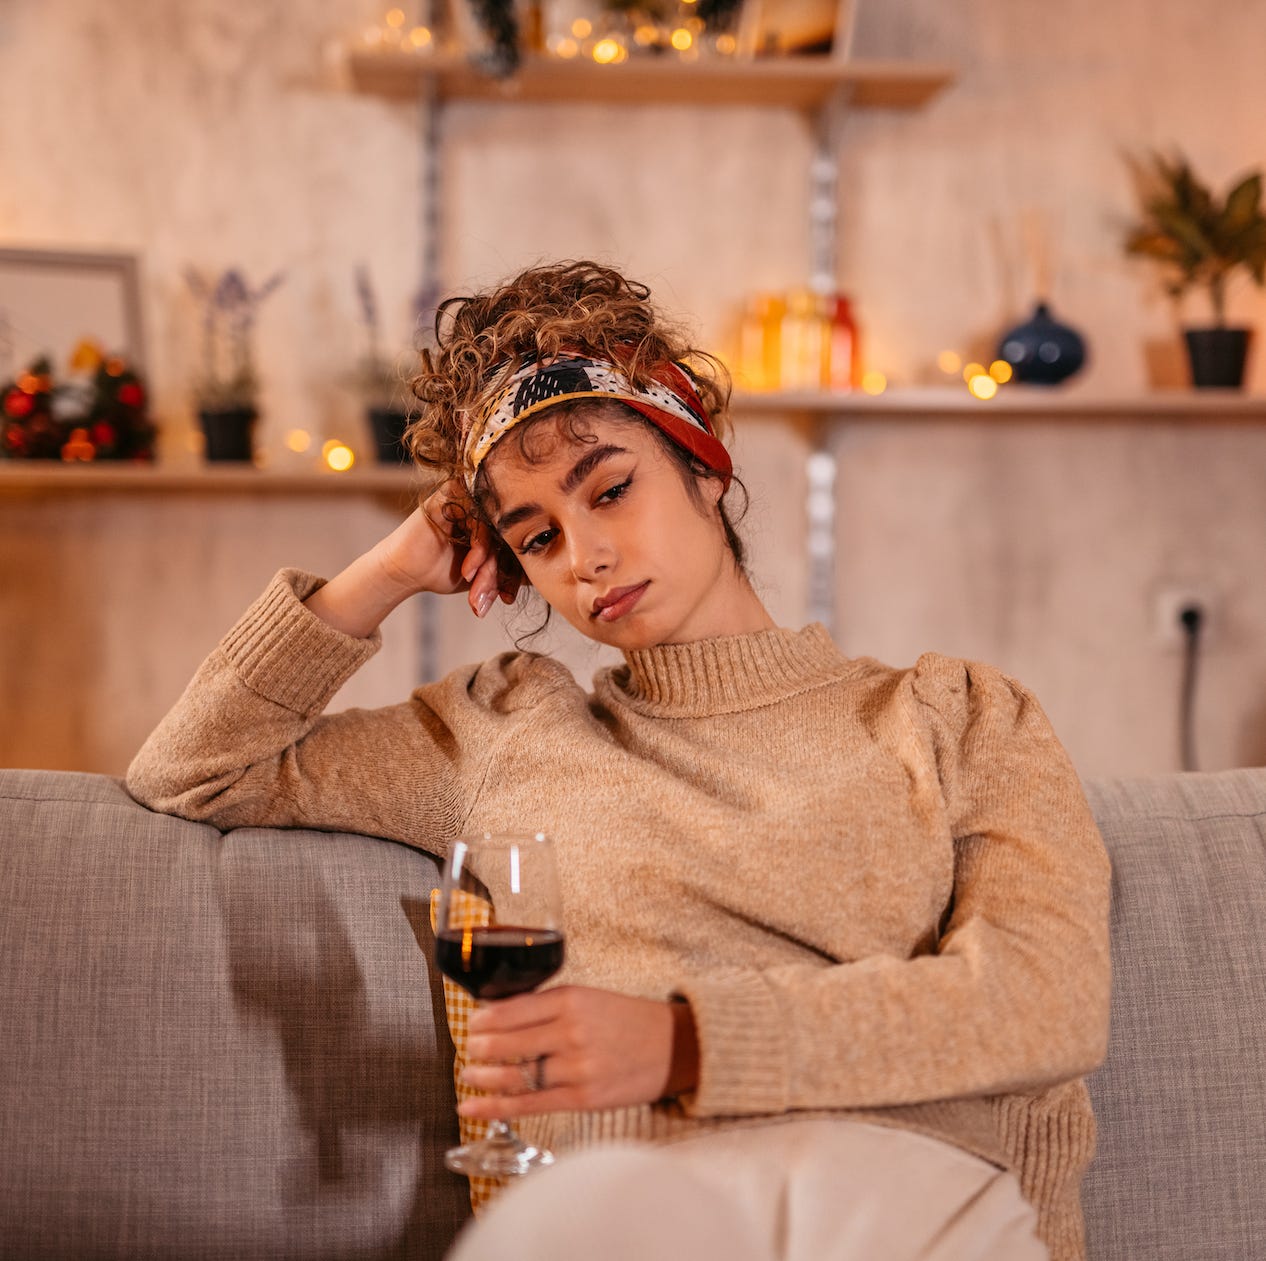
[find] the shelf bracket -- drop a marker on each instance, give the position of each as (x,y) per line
(821,469)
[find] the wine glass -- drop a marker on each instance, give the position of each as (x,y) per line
(498,932)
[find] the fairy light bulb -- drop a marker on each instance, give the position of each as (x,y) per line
(339,457)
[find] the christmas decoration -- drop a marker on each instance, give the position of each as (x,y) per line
(100,413)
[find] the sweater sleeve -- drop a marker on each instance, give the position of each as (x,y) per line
(247,745)
(1014,996)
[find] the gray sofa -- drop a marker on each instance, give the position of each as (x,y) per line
(234,1046)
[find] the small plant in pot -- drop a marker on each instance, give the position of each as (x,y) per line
(1202,241)
(380,382)
(227,390)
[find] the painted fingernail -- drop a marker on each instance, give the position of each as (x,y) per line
(484,602)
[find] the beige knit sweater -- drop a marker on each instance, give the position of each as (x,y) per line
(881,891)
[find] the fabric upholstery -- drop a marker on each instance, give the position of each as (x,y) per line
(215,1046)
(1181,1099)
(236,1047)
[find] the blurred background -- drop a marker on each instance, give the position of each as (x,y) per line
(859,205)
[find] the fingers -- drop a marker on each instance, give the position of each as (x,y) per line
(601,1050)
(479,569)
(473,546)
(507,1041)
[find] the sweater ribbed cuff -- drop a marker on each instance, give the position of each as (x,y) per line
(285,653)
(743,1065)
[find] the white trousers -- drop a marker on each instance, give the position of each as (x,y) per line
(813,1190)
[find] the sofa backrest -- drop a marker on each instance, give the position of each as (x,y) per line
(236,1040)
(1180,1173)
(229,1046)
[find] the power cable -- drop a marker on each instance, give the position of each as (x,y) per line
(1191,617)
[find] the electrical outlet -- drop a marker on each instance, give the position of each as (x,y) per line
(1167,608)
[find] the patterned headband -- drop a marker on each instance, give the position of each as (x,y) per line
(670,402)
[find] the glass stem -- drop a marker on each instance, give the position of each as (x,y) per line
(501,1133)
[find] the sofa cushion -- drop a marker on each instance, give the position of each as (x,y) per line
(215,1046)
(1181,1098)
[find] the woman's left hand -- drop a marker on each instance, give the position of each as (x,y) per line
(601,1049)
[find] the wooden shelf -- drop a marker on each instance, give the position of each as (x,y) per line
(1015,403)
(807,82)
(1012,402)
(19,477)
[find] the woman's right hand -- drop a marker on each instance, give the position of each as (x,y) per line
(433,549)
(469,553)
(443,547)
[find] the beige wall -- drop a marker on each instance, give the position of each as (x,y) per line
(216,133)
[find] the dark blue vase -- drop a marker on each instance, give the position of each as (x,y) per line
(1042,351)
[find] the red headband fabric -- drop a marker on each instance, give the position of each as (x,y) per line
(671,403)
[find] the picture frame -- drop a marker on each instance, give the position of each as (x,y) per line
(787,28)
(51,300)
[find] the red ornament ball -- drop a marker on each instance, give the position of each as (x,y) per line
(18,403)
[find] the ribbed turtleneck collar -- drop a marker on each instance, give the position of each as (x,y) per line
(728,674)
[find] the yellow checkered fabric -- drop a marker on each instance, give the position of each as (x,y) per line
(472,912)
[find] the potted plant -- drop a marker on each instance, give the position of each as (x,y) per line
(380,382)
(1202,241)
(227,391)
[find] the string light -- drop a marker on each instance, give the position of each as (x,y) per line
(607,51)
(874,382)
(338,455)
(950,362)
(298,440)
(983,386)
(1001,371)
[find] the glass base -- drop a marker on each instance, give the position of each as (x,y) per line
(501,1155)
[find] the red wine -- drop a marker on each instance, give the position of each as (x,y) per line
(500,961)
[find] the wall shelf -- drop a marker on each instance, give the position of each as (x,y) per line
(42,476)
(1013,402)
(1018,404)
(807,83)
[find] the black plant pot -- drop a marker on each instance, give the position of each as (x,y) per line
(228,432)
(1218,356)
(389,427)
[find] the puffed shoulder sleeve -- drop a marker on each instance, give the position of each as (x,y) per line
(1031,876)
(1013,995)
(247,744)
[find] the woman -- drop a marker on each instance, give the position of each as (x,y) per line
(837,943)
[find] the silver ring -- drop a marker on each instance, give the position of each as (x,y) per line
(533,1073)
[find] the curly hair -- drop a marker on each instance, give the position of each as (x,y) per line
(578,306)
